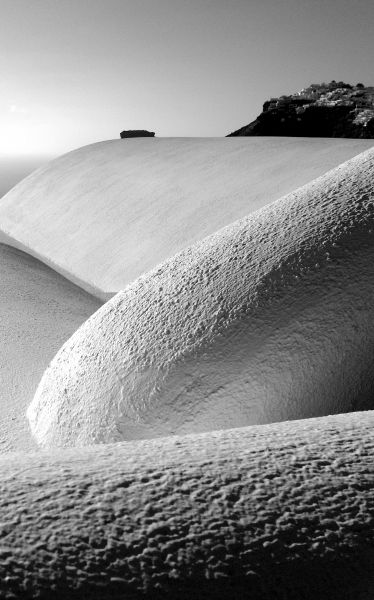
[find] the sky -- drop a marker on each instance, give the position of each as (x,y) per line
(74,72)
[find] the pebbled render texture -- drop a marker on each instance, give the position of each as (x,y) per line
(278,512)
(39,311)
(113,210)
(269,319)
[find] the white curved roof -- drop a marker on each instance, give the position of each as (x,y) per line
(106,213)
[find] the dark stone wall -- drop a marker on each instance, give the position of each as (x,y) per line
(134,133)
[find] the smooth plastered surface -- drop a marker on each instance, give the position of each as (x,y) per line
(39,311)
(114,210)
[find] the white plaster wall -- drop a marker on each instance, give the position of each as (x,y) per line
(270,512)
(39,311)
(108,212)
(270,318)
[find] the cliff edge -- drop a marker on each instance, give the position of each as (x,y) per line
(334,109)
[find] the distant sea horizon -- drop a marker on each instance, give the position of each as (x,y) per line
(15,168)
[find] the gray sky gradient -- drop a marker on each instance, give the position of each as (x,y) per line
(75,72)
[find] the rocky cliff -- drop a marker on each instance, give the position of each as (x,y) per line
(334,109)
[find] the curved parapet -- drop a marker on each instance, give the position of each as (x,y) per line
(278,511)
(114,210)
(269,319)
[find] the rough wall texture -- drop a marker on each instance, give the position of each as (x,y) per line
(269,319)
(114,210)
(276,512)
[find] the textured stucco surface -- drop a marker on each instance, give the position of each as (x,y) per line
(114,210)
(39,310)
(277,512)
(269,319)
